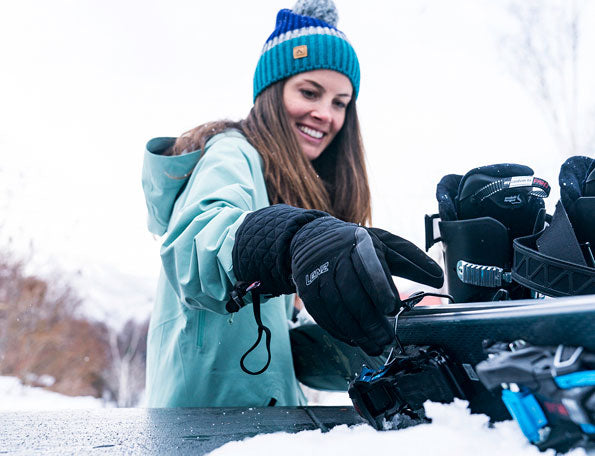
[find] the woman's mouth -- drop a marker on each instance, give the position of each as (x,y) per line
(311,132)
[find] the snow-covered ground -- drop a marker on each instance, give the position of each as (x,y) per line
(16,396)
(453,431)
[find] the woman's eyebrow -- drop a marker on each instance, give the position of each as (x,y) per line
(322,89)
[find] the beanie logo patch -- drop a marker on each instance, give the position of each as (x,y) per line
(299,52)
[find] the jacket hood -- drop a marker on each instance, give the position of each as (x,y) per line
(163,178)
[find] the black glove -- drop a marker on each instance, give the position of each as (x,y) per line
(261,249)
(343,271)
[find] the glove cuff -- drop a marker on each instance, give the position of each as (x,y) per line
(261,251)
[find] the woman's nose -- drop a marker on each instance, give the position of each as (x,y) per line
(322,113)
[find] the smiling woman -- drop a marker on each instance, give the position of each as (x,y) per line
(261,205)
(315,102)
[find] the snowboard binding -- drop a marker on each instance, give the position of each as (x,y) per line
(395,393)
(549,391)
(559,260)
(480,214)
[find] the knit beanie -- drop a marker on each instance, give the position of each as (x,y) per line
(305,39)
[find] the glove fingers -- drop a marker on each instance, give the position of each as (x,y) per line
(325,320)
(368,327)
(333,316)
(373,275)
(344,284)
(345,311)
(405,259)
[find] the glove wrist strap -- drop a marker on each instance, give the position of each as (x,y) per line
(235,303)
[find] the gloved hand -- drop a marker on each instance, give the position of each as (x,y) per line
(343,273)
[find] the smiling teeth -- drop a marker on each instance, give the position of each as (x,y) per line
(311,132)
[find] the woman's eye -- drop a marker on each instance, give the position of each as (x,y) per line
(340,104)
(308,93)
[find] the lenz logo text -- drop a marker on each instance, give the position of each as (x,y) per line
(317,272)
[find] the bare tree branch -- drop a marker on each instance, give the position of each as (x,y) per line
(543,54)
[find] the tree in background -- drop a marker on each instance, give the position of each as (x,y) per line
(46,342)
(125,377)
(43,341)
(545,55)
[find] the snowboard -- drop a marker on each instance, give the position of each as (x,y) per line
(461,331)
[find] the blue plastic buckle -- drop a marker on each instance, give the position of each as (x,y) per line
(365,375)
(369,375)
(576,379)
(525,409)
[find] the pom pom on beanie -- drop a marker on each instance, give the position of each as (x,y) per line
(325,10)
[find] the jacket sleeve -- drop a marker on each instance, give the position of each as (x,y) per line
(197,250)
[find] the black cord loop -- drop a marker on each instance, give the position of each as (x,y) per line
(261,329)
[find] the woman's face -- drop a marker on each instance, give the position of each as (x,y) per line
(315,102)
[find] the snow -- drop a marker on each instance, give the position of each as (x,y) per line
(330,398)
(15,396)
(453,431)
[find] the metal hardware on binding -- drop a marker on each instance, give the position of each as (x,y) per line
(482,275)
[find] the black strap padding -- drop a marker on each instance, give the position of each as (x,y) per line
(551,262)
(547,275)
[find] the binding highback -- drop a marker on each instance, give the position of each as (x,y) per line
(481,213)
(559,261)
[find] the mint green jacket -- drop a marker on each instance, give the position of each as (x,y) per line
(194,345)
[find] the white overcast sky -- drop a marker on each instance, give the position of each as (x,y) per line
(84,84)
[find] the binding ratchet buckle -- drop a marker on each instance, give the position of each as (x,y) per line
(403,385)
(550,392)
(481,275)
(407,379)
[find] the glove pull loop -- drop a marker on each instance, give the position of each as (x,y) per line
(235,303)
(261,329)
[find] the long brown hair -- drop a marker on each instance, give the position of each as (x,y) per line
(336,182)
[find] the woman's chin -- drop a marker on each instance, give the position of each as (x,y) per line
(311,153)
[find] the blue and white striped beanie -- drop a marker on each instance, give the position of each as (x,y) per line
(305,39)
